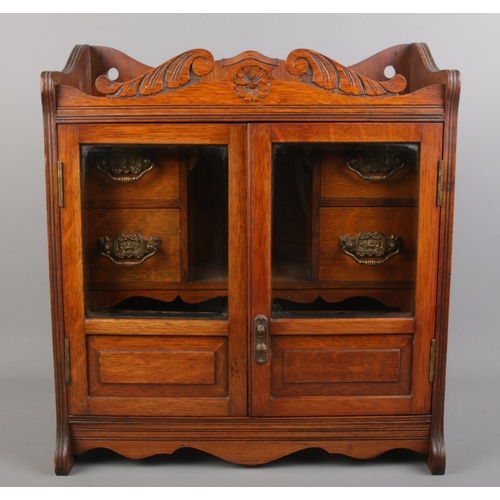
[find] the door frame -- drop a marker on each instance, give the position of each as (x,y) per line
(261,400)
(78,327)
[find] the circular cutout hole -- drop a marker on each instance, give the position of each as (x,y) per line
(113,74)
(389,71)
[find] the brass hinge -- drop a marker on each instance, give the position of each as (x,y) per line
(67,369)
(432,360)
(60,184)
(439,198)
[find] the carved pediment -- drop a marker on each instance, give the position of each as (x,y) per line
(250,57)
(251,74)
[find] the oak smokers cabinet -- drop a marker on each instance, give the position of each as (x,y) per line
(250,256)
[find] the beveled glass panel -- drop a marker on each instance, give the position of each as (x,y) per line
(155,231)
(344,229)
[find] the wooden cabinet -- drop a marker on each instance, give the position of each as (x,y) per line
(250,256)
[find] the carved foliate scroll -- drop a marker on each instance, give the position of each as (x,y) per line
(318,70)
(185,69)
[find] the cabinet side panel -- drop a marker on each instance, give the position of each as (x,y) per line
(437,457)
(63,455)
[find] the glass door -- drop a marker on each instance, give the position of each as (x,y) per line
(154,245)
(344,269)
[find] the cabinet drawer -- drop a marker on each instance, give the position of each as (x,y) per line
(104,227)
(350,365)
(130,176)
(368,172)
(335,264)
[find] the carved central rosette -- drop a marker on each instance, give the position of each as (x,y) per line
(252,83)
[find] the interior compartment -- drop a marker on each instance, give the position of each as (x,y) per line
(291,214)
(207,212)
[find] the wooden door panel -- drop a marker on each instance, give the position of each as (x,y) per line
(348,365)
(142,367)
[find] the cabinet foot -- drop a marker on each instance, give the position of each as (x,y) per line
(436,458)
(64,459)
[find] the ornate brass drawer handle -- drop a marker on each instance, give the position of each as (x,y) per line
(126,246)
(124,166)
(376,165)
(368,244)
